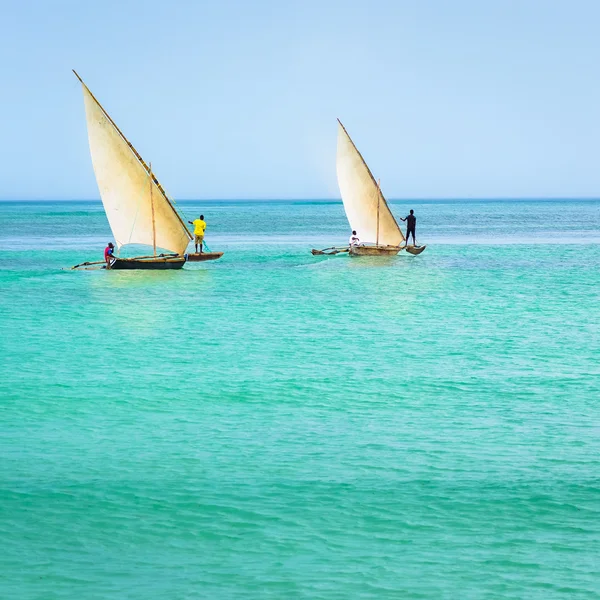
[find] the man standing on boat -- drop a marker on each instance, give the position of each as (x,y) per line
(411,225)
(354,240)
(109,254)
(199,229)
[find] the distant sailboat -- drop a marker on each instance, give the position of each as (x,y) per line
(366,208)
(136,205)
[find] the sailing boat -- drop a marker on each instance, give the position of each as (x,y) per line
(136,204)
(366,208)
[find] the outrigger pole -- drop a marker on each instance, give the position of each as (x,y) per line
(333,250)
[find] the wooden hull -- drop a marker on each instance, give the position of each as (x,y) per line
(374,250)
(154,263)
(196,257)
(415,249)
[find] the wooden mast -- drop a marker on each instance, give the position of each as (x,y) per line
(378,202)
(153,219)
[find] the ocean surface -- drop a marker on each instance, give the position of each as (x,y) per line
(278,425)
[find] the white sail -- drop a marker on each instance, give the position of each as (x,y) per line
(137,208)
(367,211)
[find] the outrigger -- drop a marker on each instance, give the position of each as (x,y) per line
(200,256)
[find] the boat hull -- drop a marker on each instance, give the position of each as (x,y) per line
(415,249)
(374,250)
(154,263)
(200,256)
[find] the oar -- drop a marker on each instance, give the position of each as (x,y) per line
(206,246)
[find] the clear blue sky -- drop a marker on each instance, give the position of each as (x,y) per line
(238,99)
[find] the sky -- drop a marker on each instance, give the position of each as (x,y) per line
(239,99)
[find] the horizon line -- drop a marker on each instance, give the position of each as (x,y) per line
(337,200)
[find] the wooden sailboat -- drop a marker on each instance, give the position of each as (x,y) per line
(366,208)
(136,204)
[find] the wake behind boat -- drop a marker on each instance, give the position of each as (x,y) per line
(136,204)
(366,208)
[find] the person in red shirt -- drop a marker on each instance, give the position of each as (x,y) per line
(109,254)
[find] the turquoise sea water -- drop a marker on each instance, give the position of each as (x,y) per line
(277,425)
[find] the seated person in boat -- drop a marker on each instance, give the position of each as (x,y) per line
(353,241)
(109,254)
(411,225)
(199,229)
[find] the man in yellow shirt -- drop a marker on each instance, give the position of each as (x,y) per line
(199,229)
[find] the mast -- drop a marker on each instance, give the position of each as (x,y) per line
(153,218)
(136,153)
(378,203)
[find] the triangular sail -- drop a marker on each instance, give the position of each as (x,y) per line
(137,207)
(367,211)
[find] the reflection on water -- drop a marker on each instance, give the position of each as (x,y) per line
(142,301)
(370,262)
(136,278)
